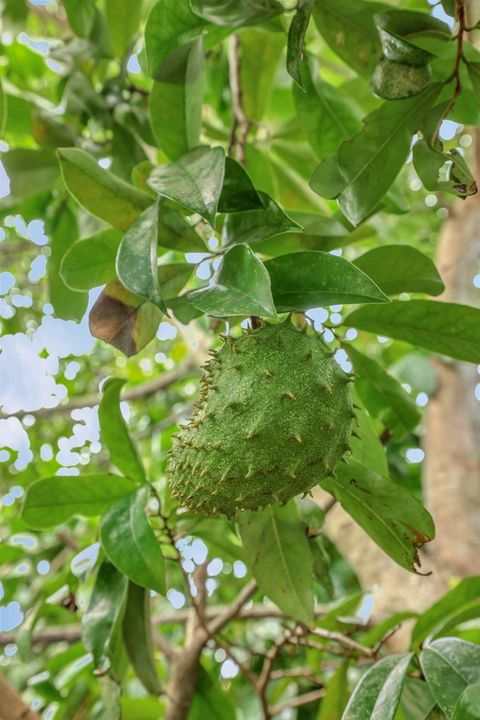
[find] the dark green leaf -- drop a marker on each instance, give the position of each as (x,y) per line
(137,257)
(100,192)
(241,286)
(348,28)
(377,695)
(304,280)
(253,226)
(104,615)
(446,328)
(447,172)
(137,635)
(449,666)
(401,268)
(296,38)
(51,501)
(123,319)
(395,80)
(399,31)
(114,432)
(383,395)
(194,182)
(123,18)
(130,543)
(176,233)
(434,619)
(468,705)
(176,100)
(327,116)
(278,555)
(67,303)
(90,262)
(173,278)
(238,191)
(336,695)
(327,180)
(395,520)
(236,12)
(169,24)
(474,73)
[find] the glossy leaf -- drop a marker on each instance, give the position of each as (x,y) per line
(52,501)
(377,695)
(327,116)
(100,192)
(241,286)
(130,543)
(304,280)
(236,12)
(395,520)
(348,28)
(90,262)
(434,619)
(399,30)
(137,257)
(123,18)
(104,615)
(169,24)
(468,705)
(67,303)
(194,182)
(176,99)
(238,191)
(446,328)
(383,395)
(401,268)
(449,666)
(137,635)
(114,432)
(253,226)
(279,558)
(336,695)
(123,319)
(296,38)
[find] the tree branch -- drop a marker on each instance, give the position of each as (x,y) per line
(297,701)
(241,123)
(12,706)
(234,609)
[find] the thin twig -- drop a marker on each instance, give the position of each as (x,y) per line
(297,701)
(241,123)
(233,610)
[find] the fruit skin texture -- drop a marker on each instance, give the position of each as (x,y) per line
(274,417)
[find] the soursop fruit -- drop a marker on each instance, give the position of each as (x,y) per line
(274,417)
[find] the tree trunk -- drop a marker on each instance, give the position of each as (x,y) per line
(12,706)
(183,672)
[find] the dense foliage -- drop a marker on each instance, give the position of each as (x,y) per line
(182,171)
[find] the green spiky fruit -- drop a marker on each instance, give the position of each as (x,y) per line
(274,417)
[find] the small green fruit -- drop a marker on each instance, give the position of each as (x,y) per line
(274,418)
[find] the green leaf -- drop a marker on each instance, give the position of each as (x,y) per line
(123,319)
(383,395)
(367,448)
(468,705)
(401,268)
(377,695)
(68,304)
(100,192)
(399,31)
(52,501)
(253,226)
(90,262)
(474,73)
(29,171)
(80,16)
(439,171)
(278,555)
(173,278)
(137,635)
(114,432)
(110,692)
(395,520)
(336,695)
(176,100)
(446,328)
(304,280)
(449,666)
(238,191)
(236,12)
(417,701)
(327,116)
(130,543)
(194,182)
(3,107)
(348,28)
(123,18)
(210,700)
(176,233)
(169,24)
(396,81)
(137,257)
(296,38)
(258,49)
(104,615)
(241,286)
(370,162)
(435,618)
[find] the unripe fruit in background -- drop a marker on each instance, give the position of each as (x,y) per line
(274,417)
